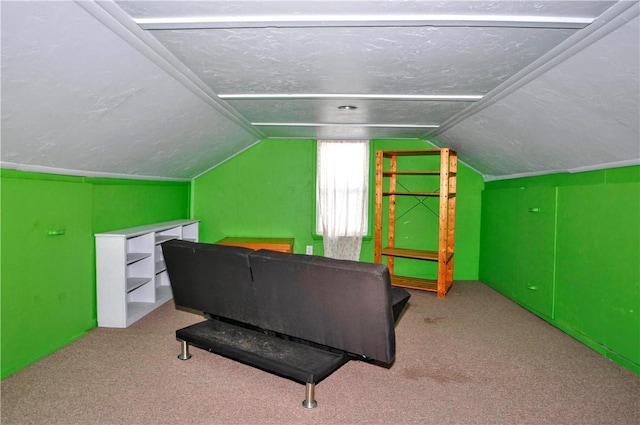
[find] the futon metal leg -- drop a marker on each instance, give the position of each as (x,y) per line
(309,396)
(184,355)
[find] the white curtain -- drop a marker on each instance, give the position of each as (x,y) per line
(343,180)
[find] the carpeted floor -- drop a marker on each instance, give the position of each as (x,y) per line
(472,358)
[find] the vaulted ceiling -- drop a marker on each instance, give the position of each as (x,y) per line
(170,89)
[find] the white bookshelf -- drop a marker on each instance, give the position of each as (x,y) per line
(131,275)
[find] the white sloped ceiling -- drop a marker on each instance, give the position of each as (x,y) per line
(169,89)
(78,99)
(581,114)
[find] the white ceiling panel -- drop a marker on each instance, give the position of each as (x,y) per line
(169,89)
(582,114)
(77,97)
(358,60)
(241,9)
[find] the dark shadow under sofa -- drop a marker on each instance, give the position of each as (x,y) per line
(297,316)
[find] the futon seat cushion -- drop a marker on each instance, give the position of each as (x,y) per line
(299,362)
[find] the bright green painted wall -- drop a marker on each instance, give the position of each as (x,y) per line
(269,191)
(594,254)
(127,203)
(48,282)
(266,191)
(47,294)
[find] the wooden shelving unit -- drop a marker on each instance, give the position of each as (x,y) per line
(446,217)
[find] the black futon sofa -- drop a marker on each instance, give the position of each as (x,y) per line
(297,316)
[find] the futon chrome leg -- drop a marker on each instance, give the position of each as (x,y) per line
(184,355)
(309,396)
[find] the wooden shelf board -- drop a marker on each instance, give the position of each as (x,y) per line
(389,154)
(410,253)
(417,283)
(411,173)
(412,193)
(413,253)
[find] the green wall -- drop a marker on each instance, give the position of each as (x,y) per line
(48,222)
(269,191)
(567,247)
(266,191)
(118,204)
(48,255)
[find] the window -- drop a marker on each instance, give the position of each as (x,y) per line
(342,188)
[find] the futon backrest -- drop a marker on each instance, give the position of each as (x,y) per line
(213,279)
(338,303)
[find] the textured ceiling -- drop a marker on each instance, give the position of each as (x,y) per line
(168,89)
(574,117)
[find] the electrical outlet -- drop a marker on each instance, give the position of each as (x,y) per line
(309,250)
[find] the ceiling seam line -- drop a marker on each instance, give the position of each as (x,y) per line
(334,21)
(436,143)
(341,124)
(351,96)
(83,173)
(583,169)
(227,159)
